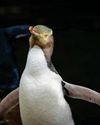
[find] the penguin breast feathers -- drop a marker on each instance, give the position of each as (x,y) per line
(41,96)
(36,61)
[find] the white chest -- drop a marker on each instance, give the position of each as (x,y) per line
(42,102)
(40,94)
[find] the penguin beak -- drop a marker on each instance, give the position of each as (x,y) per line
(32,31)
(33,34)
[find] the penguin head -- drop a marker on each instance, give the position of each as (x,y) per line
(40,35)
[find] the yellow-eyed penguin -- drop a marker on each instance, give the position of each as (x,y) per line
(41,97)
(42,36)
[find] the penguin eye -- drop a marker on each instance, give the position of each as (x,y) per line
(46,35)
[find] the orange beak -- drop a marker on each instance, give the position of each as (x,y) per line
(32,31)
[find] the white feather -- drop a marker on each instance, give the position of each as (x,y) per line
(41,96)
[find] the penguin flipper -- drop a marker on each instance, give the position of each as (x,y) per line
(9,108)
(80,92)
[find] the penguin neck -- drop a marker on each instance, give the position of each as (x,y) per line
(36,62)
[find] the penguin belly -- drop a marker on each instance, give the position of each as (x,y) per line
(42,102)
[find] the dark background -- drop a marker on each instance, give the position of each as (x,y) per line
(77,44)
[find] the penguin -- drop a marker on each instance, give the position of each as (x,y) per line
(41,96)
(45,92)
